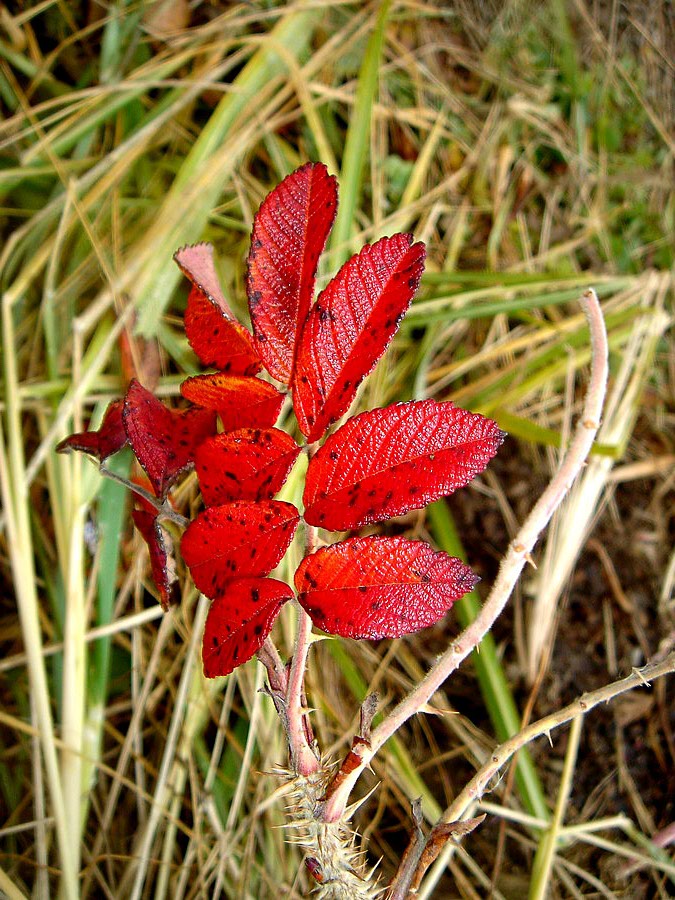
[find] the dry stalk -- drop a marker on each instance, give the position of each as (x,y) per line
(579,707)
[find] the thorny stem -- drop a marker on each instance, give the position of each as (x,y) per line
(516,556)
(579,707)
(500,756)
(304,760)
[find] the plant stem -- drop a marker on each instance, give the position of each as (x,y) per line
(164,510)
(16,503)
(304,760)
(578,708)
(545,855)
(269,656)
(517,554)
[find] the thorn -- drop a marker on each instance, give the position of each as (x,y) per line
(638,674)
(350,810)
(528,558)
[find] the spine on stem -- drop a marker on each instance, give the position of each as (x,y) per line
(333,854)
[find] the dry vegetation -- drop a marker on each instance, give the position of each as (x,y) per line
(531,146)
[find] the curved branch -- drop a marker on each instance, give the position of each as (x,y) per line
(579,707)
(480,782)
(512,565)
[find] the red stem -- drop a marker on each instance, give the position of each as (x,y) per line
(304,759)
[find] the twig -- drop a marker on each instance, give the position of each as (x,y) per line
(304,760)
(514,560)
(277,675)
(480,782)
(164,510)
(579,707)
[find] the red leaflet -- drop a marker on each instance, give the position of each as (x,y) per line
(387,461)
(241,401)
(237,539)
(376,587)
(211,328)
(289,233)
(349,327)
(162,568)
(163,440)
(110,437)
(248,464)
(239,621)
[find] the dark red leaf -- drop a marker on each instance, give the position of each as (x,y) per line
(387,461)
(164,440)
(349,327)
(237,539)
(289,233)
(109,438)
(377,587)
(160,564)
(248,464)
(239,621)
(215,335)
(240,401)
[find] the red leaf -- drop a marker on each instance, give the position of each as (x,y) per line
(289,233)
(164,440)
(248,464)
(210,325)
(241,401)
(387,461)
(162,569)
(377,587)
(235,540)
(109,438)
(349,327)
(239,621)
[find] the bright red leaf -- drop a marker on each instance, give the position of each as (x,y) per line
(243,538)
(289,233)
(349,327)
(385,462)
(240,401)
(377,587)
(239,621)
(248,464)
(164,440)
(109,438)
(161,564)
(211,328)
